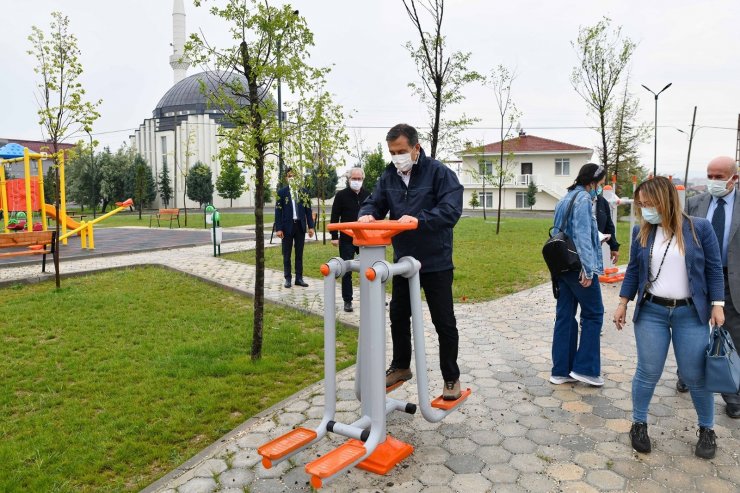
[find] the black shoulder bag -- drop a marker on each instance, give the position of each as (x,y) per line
(560,252)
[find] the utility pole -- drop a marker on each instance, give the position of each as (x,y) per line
(688,156)
(737,148)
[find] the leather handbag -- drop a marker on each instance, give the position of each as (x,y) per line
(559,251)
(722,370)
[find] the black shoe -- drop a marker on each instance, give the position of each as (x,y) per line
(706,447)
(733,410)
(348,307)
(287,283)
(681,387)
(301,282)
(640,438)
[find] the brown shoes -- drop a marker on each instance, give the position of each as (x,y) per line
(451,391)
(394,375)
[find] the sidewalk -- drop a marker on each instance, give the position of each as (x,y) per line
(517,432)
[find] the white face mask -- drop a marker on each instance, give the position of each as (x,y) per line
(402,162)
(650,214)
(718,188)
(355,185)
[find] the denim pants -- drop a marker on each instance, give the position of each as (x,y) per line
(567,354)
(656,326)
(437,287)
(347,251)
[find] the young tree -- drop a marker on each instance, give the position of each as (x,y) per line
(60,97)
(484,173)
(144,189)
(443,76)
(373,166)
(257,63)
(603,56)
(200,184)
(500,81)
(117,182)
(531,194)
(231,182)
(625,138)
(474,200)
(165,186)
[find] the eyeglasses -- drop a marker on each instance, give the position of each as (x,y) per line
(599,170)
(643,205)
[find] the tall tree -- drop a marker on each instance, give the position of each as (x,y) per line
(271,43)
(443,76)
(60,94)
(373,166)
(500,81)
(165,186)
(603,56)
(625,137)
(200,184)
(144,188)
(230,182)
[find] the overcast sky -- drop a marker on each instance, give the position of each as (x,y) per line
(695,44)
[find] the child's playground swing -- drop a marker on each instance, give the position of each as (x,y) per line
(21,198)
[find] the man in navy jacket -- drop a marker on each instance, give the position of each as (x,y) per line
(418,189)
(293,218)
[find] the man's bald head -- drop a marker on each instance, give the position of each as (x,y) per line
(721,168)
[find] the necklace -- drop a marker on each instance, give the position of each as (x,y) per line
(650,260)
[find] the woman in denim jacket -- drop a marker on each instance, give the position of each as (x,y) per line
(573,361)
(675,270)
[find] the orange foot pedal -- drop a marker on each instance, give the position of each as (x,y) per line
(440,403)
(282,446)
(335,461)
(386,455)
(394,386)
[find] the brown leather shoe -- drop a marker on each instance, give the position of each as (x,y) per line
(394,375)
(451,391)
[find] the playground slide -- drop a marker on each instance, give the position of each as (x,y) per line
(51,211)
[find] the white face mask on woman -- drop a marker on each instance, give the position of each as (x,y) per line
(650,214)
(403,162)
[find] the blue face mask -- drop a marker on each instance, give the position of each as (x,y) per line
(650,214)
(596,192)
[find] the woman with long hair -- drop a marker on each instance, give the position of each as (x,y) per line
(676,272)
(573,361)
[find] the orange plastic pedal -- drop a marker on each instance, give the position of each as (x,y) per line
(394,386)
(386,455)
(440,403)
(333,462)
(611,270)
(284,445)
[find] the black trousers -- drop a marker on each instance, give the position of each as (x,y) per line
(297,237)
(437,287)
(347,251)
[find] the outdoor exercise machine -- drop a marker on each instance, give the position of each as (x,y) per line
(369,447)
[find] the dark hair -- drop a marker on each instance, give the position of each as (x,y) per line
(287,170)
(403,129)
(589,173)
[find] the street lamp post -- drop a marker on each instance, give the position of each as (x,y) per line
(655,149)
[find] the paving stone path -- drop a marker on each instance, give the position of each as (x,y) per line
(517,432)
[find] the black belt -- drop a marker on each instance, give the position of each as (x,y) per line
(667,301)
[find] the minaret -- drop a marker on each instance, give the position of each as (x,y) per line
(179,68)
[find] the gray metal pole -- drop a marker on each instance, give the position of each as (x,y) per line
(688,156)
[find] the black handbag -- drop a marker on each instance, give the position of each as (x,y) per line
(560,252)
(722,365)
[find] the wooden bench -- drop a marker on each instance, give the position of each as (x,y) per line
(166,214)
(36,243)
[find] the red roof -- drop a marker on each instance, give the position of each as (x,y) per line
(36,145)
(529,143)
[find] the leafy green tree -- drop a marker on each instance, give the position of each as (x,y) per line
(443,76)
(531,194)
(373,166)
(200,184)
(165,186)
(258,28)
(474,200)
(145,190)
(60,94)
(231,182)
(625,137)
(81,176)
(117,182)
(603,57)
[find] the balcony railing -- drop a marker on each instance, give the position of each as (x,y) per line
(466,179)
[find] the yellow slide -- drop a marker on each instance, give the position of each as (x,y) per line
(51,211)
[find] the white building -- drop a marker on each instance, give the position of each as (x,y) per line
(550,164)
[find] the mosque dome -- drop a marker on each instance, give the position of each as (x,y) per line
(187,98)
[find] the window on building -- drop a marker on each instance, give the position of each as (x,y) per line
(486,199)
(485,167)
(521,200)
(562,167)
(163,145)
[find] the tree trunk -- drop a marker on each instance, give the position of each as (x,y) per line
(437,112)
(259,280)
(604,150)
(484,197)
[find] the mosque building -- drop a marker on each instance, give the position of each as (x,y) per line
(183,128)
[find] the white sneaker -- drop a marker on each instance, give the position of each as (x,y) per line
(595,381)
(561,380)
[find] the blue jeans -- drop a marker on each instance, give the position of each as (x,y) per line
(655,327)
(567,354)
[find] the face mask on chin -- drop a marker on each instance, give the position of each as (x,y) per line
(403,162)
(718,188)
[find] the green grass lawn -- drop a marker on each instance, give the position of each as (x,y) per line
(195,220)
(121,376)
(487,265)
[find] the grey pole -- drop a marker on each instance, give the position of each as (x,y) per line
(655,143)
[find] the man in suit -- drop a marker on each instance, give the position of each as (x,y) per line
(293,218)
(721,205)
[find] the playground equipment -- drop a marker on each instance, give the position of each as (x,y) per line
(369,447)
(25,195)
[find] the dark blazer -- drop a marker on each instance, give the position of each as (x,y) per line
(703,263)
(699,206)
(284,213)
(605,223)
